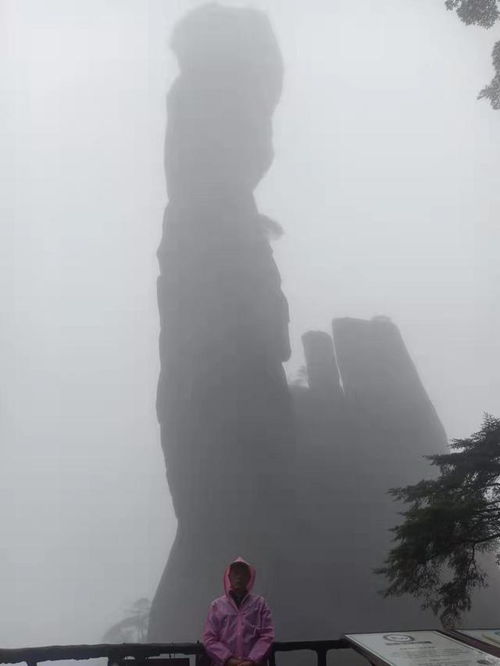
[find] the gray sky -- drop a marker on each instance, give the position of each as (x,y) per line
(385,180)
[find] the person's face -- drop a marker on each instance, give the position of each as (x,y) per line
(239,577)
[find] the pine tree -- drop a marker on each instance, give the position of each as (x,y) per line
(134,627)
(485,13)
(451,519)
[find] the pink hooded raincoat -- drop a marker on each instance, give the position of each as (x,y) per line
(246,632)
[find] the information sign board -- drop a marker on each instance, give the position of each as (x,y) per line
(419,648)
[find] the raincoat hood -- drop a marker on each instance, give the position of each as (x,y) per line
(251,582)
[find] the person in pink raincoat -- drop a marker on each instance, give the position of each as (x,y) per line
(239,629)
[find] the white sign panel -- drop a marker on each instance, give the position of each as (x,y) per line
(421,648)
(491,636)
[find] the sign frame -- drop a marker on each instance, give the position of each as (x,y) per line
(476,642)
(379,660)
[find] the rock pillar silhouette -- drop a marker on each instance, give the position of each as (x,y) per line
(223,402)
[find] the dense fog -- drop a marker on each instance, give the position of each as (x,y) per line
(385,183)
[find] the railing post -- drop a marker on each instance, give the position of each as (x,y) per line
(272,658)
(321,654)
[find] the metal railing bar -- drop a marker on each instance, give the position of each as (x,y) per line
(116,652)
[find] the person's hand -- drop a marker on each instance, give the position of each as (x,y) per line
(247,662)
(233,661)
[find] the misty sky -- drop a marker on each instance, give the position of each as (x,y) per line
(385,181)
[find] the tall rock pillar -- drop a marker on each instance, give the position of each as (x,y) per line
(223,402)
